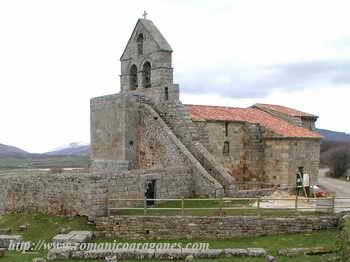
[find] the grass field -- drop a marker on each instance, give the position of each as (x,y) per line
(210,208)
(43,227)
(44,162)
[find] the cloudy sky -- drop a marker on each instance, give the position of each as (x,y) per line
(56,55)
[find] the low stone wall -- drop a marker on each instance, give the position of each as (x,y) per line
(251,193)
(154,254)
(196,227)
(86,194)
(55,194)
(170,183)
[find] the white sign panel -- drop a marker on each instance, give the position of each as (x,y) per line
(306,180)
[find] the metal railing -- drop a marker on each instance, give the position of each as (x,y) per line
(327,204)
(241,186)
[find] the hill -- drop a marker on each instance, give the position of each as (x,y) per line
(72,149)
(11,151)
(74,156)
(333,135)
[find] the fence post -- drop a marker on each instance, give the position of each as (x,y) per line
(182,207)
(333,204)
(259,213)
(221,206)
(145,206)
(296,203)
(108,210)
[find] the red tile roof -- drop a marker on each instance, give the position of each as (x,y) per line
(283,109)
(251,115)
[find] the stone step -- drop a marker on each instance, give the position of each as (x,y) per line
(6,240)
(73,237)
(5,231)
(292,252)
(2,252)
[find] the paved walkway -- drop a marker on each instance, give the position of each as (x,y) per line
(339,187)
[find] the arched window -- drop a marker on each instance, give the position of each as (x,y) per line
(146,75)
(133,77)
(226,148)
(140,44)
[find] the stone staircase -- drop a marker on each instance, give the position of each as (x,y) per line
(205,183)
(195,139)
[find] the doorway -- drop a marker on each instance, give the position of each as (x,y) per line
(150,192)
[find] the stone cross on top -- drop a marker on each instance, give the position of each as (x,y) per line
(145,15)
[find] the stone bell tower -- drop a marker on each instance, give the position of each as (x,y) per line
(146,71)
(146,67)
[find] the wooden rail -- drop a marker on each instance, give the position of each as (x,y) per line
(330,206)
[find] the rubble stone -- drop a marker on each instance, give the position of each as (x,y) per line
(5,240)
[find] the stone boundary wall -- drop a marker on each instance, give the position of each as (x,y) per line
(209,227)
(251,193)
(170,183)
(86,194)
(175,254)
(55,194)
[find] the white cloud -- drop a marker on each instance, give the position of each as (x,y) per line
(56,55)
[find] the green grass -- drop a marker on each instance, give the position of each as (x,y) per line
(344,179)
(248,210)
(44,162)
(43,227)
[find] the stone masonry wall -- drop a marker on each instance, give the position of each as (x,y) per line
(170,183)
(85,194)
(108,128)
(306,153)
(169,151)
(56,194)
(156,149)
(196,227)
(178,120)
(258,155)
(245,158)
(284,156)
(114,128)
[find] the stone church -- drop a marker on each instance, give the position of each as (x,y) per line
(147,142)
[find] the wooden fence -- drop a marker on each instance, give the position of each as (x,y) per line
(324,204)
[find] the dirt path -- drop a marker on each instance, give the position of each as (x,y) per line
(339,187)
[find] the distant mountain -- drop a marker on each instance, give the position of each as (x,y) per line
(81,149)
(11,151)
(72,149)
(333,135)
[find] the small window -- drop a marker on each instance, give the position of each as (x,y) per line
(166,91)
(226,149)
(140,44)
(226,128)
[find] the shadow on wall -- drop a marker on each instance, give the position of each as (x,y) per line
(242,172)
